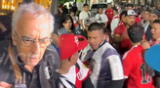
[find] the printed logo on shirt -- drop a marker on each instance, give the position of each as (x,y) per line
(79,75)
(146,78)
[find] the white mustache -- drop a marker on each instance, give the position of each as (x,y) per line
(33,56)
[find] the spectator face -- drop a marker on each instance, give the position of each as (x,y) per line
(155,31)
(153,17)
(109,6)
(95,38)
(31,38)
(100,10)
(86,8)
(130,20)
(67,24)
(146,15)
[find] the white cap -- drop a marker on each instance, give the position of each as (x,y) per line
(131,13)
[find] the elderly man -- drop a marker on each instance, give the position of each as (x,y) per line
(29,61)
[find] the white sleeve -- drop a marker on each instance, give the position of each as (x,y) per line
(84,71)
(114,24)
(116,67)
(81,16)
(105,18)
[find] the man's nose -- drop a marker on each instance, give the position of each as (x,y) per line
(91,40)
(36,47)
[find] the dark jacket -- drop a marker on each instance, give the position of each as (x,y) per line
(42,76)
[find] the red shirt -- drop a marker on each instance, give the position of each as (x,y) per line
(125,44)
(110,13)
(133,64)
(138,19)
(120,29)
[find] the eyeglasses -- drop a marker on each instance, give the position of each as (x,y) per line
(29,41)
(43,42)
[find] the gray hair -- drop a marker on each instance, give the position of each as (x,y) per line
(34,9)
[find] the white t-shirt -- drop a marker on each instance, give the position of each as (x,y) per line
(85,18)
(114,23)
(101,18)
(84,15)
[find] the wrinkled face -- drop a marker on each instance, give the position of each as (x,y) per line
(31,38)
(67,24)
(155,31)
(95,38)
(130,20)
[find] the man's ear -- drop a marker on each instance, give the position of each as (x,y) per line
(14,39)
(104,36)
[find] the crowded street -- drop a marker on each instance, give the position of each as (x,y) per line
(79,43)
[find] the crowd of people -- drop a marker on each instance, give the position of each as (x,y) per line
(74,49)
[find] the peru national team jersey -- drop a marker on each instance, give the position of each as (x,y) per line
(135,69)
(75,76)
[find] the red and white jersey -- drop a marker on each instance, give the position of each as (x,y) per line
(114,23)
(135,69)
(75,76)
(125,43)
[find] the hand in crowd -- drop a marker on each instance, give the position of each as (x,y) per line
(2,28)
(5,85)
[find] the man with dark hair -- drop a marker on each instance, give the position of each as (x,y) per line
(73,73)
(135,33)
(138,74)
(155,31)
(84,17)
(109,13)
(103,59)
(101,17)
(154,15)
(145,19)
(120,33)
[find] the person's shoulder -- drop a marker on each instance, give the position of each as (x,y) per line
(81,12)
(97,15)
(3,51)
(62,31)
(52,50)
(6,75)
(4,44)
(133,52)
(109,50)
(52,56)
